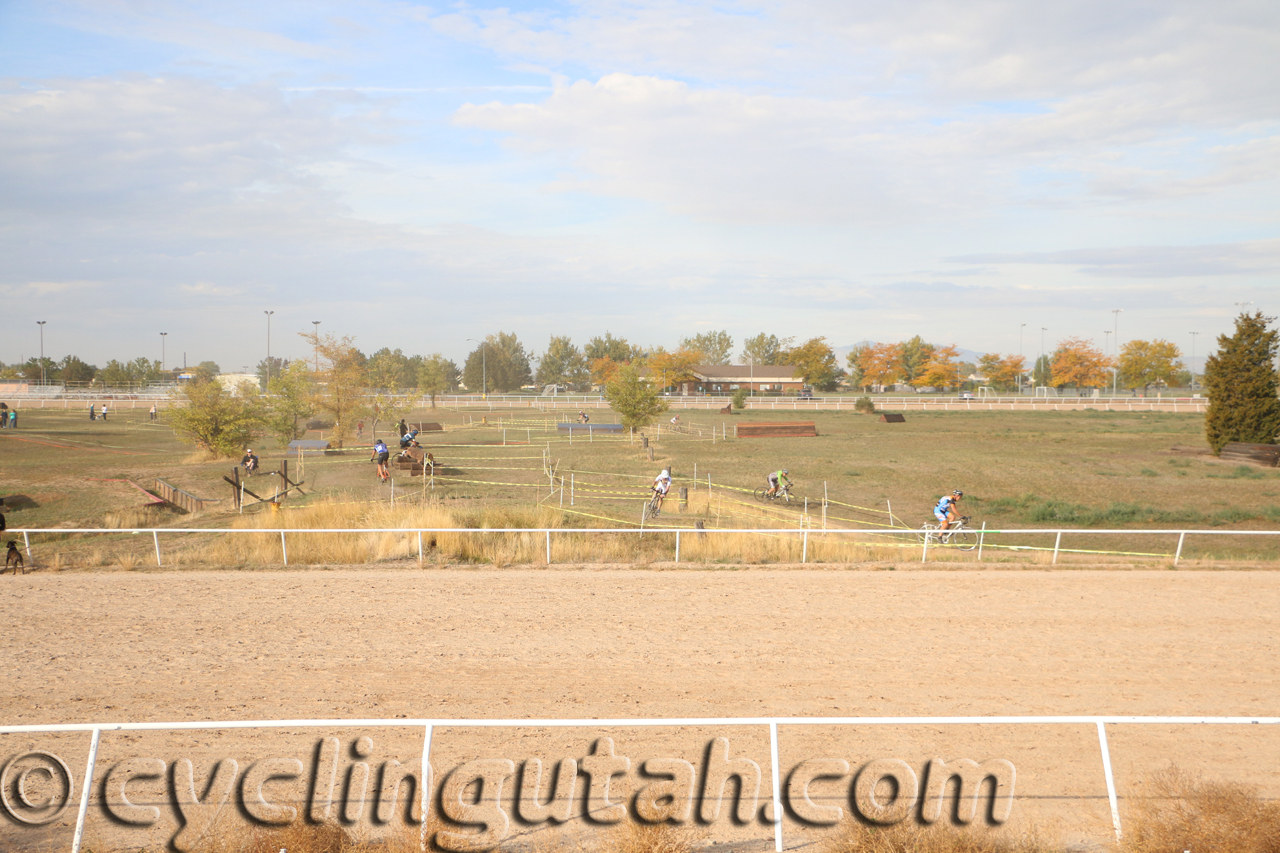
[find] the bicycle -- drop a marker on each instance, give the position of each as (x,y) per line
(959,535)
(654,506)
(783,494)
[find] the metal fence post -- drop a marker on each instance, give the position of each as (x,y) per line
(155,535)
(677,546)
(548,547)
(1056,542)
(804,547)
(283,549)
(982,534)
(1178,556)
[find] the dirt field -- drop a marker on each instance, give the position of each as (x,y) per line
(605,643)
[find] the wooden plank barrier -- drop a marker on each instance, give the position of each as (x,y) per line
(893,418)
(179,498)
(1256,454)
(783,429)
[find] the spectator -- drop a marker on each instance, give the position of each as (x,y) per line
(249,461)
(153,411)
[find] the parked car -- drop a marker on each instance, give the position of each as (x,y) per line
(967,395)
(805,392)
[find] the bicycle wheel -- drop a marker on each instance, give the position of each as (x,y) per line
(762,495)
(925,533)
(965,539)
(652,508)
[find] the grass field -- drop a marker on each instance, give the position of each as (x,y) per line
(1061,469)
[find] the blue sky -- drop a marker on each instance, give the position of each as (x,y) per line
(414,175)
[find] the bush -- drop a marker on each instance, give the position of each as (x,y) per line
(865,406)
(1242,384)
(740,398)
(218,422)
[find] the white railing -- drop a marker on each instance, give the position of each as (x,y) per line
(803,534)
(428,726)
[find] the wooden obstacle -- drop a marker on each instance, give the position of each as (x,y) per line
(784,429)
(727,410)
(171,494)
(1267,455)
(426,426)
(892,418)
(239,488)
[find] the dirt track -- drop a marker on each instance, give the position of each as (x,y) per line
(360,643)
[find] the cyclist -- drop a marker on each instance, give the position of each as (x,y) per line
(409,439)
(381,454)
(775,480)
(661,484)
(582,418)
(946,510)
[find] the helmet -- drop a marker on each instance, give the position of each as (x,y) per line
(957,493)
(785,471)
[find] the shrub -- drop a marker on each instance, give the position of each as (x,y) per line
(865,406)
(740,398)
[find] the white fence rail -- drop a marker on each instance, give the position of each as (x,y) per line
(772,723)
(803,534)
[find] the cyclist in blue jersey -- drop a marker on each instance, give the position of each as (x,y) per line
(947,510)
(381,454)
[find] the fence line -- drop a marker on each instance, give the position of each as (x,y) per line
(429,724)
(802,532)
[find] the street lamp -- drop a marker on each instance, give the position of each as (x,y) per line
(316,323)
(1115,370)
(1043,329)
(41,323)
(484,370)
(268,313)
(1193,360)
(1021,330)
(162,337)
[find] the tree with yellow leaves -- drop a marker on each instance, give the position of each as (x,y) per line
(877,364)
(1002,372)
(1078,362)
(1147,363)
(940,371)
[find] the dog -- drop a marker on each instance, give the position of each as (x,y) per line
(14,558)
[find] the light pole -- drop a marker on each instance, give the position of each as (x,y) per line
(162,337)
(316,323)
(484,370)
(268,313)
(1021,330)
(751,376)
(1193,360)
(41,323)
(1115,370)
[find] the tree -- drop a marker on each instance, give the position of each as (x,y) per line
(72,369)
(1147,363)
(341,383)
(672,368)
(501,362)
(216,419)
(268,369)
(940,371)
(1242,384)
(633,398)
(291,398)
(765,349)
(437,375)
(1002,372)
(390,370)
(878,364)
(610,347)
(815,362)
(716,347)
(1041,374)
(1078,362)
(207,370)
(31,369)
(914,356)
(562,364)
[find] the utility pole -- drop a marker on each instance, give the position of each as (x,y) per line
(162,338)
(1021,330)
(1193,360)
(316,323)
(43,378)
(268,313)
(1115,371)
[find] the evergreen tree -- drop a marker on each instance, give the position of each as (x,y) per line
(1242,383)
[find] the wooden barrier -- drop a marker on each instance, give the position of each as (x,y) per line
(784,429)
(183,500)
(1257,454)
(892,418)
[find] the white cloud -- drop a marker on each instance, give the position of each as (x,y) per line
(1231,259)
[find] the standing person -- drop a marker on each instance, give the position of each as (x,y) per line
(4,416)
(945,511)
(153,411)
(93,412)
(104,411)
(359,429)
(13,419)
(402,428)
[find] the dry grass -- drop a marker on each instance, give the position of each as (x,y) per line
(1179,811)
(854,837)
(653,838)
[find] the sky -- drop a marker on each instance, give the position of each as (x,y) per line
(988,173)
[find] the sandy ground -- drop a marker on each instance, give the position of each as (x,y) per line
(530,643)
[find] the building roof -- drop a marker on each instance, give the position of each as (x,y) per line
(741,372)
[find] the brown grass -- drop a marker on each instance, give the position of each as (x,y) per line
(1179,811)
(855,837)
(653,838)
